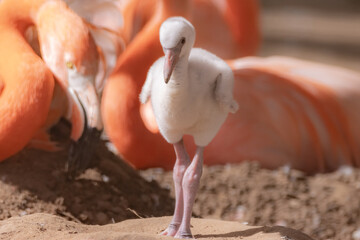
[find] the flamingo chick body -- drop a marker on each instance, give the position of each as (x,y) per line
(191,94)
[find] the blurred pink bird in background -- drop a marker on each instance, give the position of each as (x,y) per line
(291,111)
(126,122)
(69,52)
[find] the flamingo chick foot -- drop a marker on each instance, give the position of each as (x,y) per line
(184,235)
(82,151)
(171,230)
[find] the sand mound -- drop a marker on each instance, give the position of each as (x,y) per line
(46,226)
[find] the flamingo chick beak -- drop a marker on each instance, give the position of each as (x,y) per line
(171,58)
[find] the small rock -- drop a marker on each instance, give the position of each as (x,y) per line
(345,171)
(102,218)
(59,201)
(286,238)
(83,216)
(281,223)
(91,174)
(23,213)
(41,227)
(356,234)
(240,213)
(316,220)
(105,178)
(286,169)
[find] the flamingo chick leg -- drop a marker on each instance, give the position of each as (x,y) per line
(190,185)
(181,164)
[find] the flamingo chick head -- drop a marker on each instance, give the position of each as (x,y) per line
(177,37)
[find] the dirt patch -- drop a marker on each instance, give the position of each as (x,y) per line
(325,206)
(35,181)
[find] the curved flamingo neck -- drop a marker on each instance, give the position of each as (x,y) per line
(1,85)
(175,7)
(27,82)
(140,53)
(236,14)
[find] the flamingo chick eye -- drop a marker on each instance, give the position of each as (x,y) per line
(70,65)
(183,40)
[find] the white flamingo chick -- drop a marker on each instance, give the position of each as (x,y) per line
(191,94)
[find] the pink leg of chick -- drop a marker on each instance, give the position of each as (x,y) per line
(186,179)
(181,164)
(190,186)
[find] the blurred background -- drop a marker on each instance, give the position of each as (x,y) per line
(324,31)
(325,206)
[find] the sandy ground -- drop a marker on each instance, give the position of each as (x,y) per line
(45,226)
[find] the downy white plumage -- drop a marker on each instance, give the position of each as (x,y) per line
(190,89)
